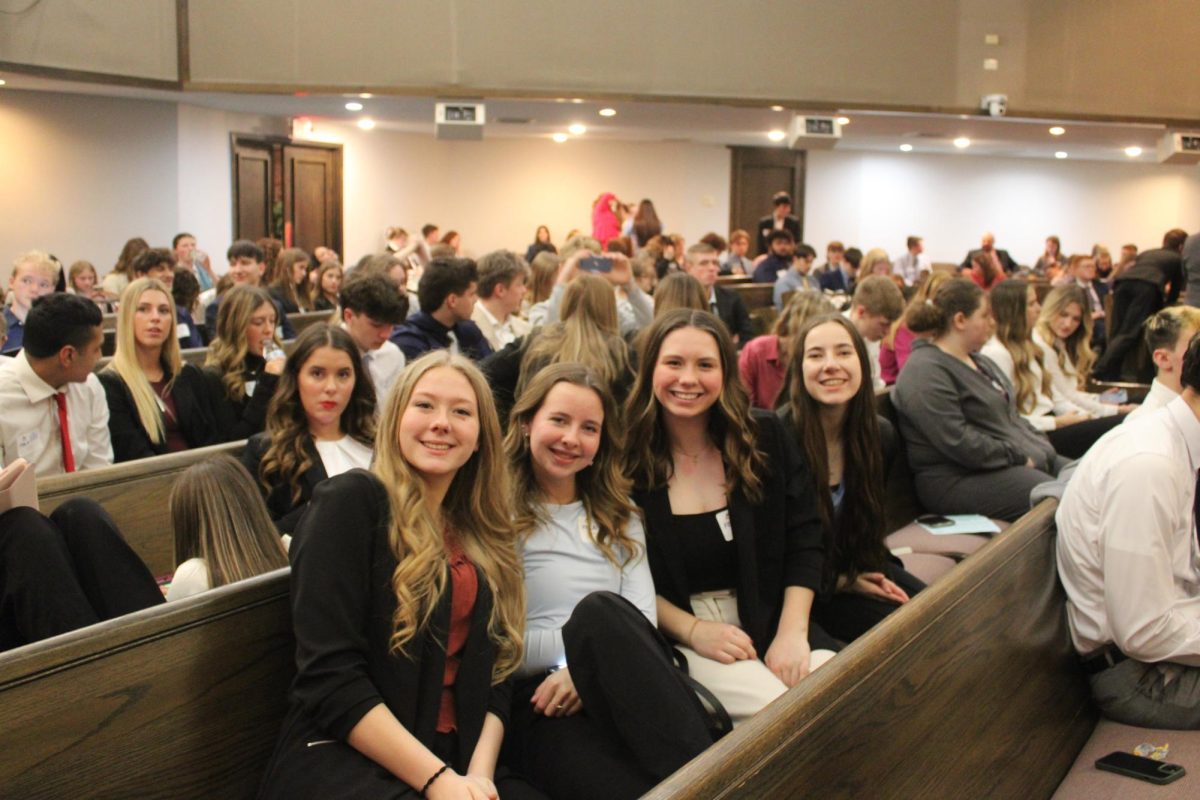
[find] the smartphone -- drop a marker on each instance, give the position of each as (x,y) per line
(1146,769)
(1114,397)
(595,264)
(934,520)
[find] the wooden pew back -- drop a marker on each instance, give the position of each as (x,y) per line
(969,690)
(304,319)
(135,495)
(755,295)
(180,700)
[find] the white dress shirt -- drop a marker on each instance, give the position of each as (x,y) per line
(1127,551)
(910,267)
(1065,381)
(342,455)
(384,365)
(29,420)
(1159,395)
(1046,406)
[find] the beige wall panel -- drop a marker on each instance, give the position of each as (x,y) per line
(119,37)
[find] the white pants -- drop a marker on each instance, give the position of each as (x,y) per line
(743,687)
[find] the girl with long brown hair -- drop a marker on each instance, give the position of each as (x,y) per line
(321,423)
(287,280)
(407,606)
(734,538)
(590,607)
(244,362)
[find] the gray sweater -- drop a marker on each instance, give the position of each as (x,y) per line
(957,421)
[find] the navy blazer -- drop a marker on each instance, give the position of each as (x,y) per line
(835,280)
(184,321)
(779,540)
(732,311)
(285,512)
(421,333)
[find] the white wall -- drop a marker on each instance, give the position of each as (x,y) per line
(878,199)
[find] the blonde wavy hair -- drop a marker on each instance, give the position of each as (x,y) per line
(1074,354)
(227,352)
(125,360)
(602,487)
(476,507)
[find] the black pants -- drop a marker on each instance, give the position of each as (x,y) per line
(1133,302)
(1074,440)
(848,615)
(640,721)
(65,572)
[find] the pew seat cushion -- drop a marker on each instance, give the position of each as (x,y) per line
(919,540)
(927,566)
(1084,781)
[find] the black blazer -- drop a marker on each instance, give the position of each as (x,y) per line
(285,513)
(779,540)
(342,606)
(241,419)
(732,311)
(197,420)
(767,224)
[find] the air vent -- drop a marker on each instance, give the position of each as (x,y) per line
(514,120)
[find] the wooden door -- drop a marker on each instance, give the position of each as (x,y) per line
(312,196)
(253,191)
(758,173)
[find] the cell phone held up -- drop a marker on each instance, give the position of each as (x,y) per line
(595,264)
(1146,769)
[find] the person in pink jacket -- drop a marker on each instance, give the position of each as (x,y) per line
(605,223)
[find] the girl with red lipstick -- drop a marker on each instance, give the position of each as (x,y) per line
(321,423)
(732,529)
(581,726)
(156,403)
(831,416)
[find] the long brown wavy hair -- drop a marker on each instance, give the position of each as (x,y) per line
(730,425)
(1010,305)
(227,352)
(602,487)
(1075,354)
(287,459)
(855,536)
(476,507)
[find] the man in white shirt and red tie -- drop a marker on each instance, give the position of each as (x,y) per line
(53,411)
(1129,559)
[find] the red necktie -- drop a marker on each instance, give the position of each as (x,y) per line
(68,456)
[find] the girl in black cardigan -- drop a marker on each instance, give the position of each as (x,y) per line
(321,423)
(731,523)
(156,403)
(407,607)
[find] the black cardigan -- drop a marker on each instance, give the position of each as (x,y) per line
(241,419)
(342,606)
(779,541)
(285,513)
(193,406)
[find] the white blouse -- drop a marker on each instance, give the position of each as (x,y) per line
(1045,407)
(1066,382)
(344,454)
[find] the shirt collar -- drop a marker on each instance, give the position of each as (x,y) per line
(712,295)
(31,383)
(1189,426)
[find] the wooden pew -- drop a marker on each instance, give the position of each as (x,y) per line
(181,700)
(191,355)
(755,295)
(135,494)
(304,319)
(969,690)
(109,322)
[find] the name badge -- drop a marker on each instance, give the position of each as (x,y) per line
(250,385)
(29,445)
(725,524)
(588,530)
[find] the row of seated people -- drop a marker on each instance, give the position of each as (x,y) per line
(762,540)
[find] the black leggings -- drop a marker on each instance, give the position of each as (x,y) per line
(848,615)
(65,572)
(1074,440)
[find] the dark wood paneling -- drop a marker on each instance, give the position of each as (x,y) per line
(757,174)
(252,192)
(312,190)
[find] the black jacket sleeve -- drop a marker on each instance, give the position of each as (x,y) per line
(236,420)
(129,439)
(804,542)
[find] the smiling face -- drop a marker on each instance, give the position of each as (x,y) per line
(439,429)
(832,370)
(1067,321)
(687,375)
(152,318)
(325,383)
(245,270)
(564,436)
(261,328)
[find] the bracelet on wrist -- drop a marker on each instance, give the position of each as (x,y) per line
(691,630)
(433,778)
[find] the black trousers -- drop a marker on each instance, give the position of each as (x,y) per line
(848,615)
(640,721)
(1133,302)
(1074,440)
(65,572)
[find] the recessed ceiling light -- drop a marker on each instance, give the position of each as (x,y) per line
(354,106)
(3,82)
(843,120)
(1061,154)
(577,129)
(906,148)
(607,112)
(560,137)
(576,100)
(366,123)
(962,143)
(777,108)
(1133,152)
(366,95)
(776,135)
(1057,130)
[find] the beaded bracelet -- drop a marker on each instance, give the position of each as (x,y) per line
(433,778)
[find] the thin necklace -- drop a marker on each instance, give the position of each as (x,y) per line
(694,458)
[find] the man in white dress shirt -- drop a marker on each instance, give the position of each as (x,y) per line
(371,305)
(49,383)
(910,265)
(1167,336)
(502,278)
(1129,560)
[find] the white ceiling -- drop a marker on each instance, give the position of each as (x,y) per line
(696,122)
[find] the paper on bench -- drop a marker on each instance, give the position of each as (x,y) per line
(964,523)
(18,486)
